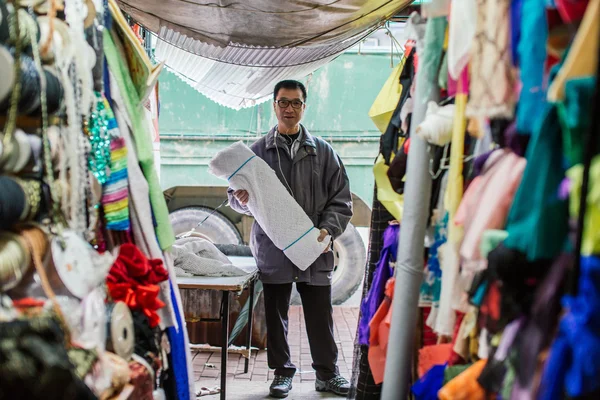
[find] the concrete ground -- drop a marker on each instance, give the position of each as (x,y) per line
(255,384)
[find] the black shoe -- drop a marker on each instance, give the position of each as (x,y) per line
(281,386)
(338,385)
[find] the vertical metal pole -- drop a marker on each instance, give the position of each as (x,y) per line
(225,339)
(417,195)
(249,334)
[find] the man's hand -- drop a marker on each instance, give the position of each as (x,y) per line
(242,197)
(322,237)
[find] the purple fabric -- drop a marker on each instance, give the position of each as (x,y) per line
(383,272)
(479,162)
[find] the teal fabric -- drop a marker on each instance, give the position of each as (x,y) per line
(538,220)
(575,113)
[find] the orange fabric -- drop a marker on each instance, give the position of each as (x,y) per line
(465,385)
(433,355)
(380,333)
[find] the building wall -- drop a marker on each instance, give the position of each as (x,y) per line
(193,128)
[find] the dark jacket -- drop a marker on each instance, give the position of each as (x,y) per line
(320,185)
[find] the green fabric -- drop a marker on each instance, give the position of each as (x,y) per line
(430,59)
(575,116)
(490,239)
(453,371)
(143,144)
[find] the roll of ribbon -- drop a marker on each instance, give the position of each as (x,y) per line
(8,74)
(12,202)
(24,153)
(4,32)
(119,328)
(14,260)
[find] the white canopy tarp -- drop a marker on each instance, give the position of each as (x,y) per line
(234,52)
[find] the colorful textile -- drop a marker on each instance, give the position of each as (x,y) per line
(432,284)
(115,199)
(574,362)
(143,144)
(380,333)
(383,271)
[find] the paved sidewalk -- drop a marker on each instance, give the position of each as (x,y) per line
(254,384)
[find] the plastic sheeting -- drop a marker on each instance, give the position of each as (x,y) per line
(235,52)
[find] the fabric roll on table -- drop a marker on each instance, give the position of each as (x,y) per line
(272,206)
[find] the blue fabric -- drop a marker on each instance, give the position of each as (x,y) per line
(516,13)
(532,57)
(178,352)
(574,362)
(429,385)
(383,271)
(432,284)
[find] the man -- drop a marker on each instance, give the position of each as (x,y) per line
(315,176)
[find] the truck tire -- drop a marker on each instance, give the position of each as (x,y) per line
(217,228)
(350,261)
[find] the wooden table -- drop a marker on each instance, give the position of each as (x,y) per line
(228,285)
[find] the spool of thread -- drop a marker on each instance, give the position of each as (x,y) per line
(24,153)
(12,202)
(8,74)
(120,336)
(4,32)
(14,260)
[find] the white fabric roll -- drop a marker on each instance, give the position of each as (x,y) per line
(275,210)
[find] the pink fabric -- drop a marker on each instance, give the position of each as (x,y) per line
(114,197)
(486,203)
(453,88)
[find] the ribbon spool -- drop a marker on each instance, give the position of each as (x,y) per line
(14,260)
(12,202)
(120,332)
(29,101)
(8,73)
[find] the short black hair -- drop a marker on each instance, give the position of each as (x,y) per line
(289,84)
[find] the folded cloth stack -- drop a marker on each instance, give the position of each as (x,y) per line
(275,210)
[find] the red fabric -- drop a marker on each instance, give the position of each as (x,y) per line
(134,279)
(406,146)
(380,333)
(571,10)
(429,336)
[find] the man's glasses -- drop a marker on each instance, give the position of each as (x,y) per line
(286,103)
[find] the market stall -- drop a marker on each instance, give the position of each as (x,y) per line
(489,166)
(89,306)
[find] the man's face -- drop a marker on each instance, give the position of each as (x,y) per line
(289,107)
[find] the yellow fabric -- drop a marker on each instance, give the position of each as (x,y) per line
(392,201)
(590,244)
(583,56)
(454,192)
(119,205)
(386,101)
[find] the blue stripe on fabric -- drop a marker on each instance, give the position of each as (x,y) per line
(300,238)
(241,166)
